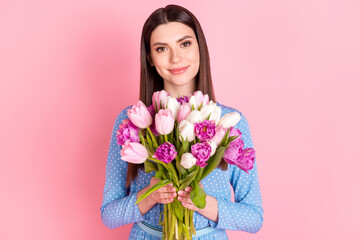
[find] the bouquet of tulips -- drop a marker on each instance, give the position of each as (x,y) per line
(182,139)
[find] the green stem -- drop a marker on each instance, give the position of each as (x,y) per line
(170,168)
(166,139)
(152,137)
(165,226)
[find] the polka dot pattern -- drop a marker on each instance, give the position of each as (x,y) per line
(245,214)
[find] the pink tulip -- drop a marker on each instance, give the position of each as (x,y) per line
(140,115)
(184,110)
(219,134)
(133,152)
(164,121)
(201,98)
(159,99)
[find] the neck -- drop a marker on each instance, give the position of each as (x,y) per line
(176,91)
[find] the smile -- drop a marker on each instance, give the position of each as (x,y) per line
(178,71)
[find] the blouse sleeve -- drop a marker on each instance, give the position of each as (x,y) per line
(246,213)
(118,206)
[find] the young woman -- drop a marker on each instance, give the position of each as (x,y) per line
(174,57)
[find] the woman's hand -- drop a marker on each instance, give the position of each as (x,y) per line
(164,194)
(184,198)
(211,209)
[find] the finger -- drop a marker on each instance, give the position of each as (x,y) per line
(167,189)
(167,195)
(188,189)
(183,193)
(189,206)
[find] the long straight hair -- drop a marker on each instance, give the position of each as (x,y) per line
(151,81)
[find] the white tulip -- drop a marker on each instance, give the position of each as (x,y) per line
(172,104)
(213,146)
(194,116)
(229,120)
(193,102)
(187,160)
(186,130)
(212,109)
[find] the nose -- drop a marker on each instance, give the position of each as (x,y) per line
(175,56)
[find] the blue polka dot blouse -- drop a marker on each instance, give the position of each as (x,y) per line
(245,214)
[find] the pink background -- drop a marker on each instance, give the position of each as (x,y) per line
(67,68)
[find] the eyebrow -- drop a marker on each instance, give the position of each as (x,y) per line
(184,37)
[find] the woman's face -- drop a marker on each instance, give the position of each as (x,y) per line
(175,54)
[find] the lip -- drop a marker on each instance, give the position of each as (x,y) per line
(178,71)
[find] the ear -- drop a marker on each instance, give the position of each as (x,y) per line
(150,61)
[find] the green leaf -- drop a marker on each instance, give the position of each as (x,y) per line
(152,189)
(199,174)
(184,147)
(180,168)
(232,138)
(186,181)
(160,175)
(208,117)
(198,195)
(225,138)
(150,166)
(148,138)
(161,139)
(154,142)
(178,209)
(156,109)
(213,162)
(201,105)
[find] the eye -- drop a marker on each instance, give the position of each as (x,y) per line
(160,49)
(186,44)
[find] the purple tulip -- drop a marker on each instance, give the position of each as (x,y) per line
(202,153)
(248,161)
(236,132)
(233,154)
(243,158)
(183,99)
(151,110)
(127,132)
(204,130)
(166,152)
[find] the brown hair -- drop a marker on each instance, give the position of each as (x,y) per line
(151,81)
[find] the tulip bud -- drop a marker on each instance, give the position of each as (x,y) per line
(158,99)
(172,104)
(186,130)
(213,146)
(134,152)
(187,160)
(140,115)
(164,121)
(194,116)
(219,134)
(229,120)
(184,110)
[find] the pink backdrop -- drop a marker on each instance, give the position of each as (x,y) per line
(68,67)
